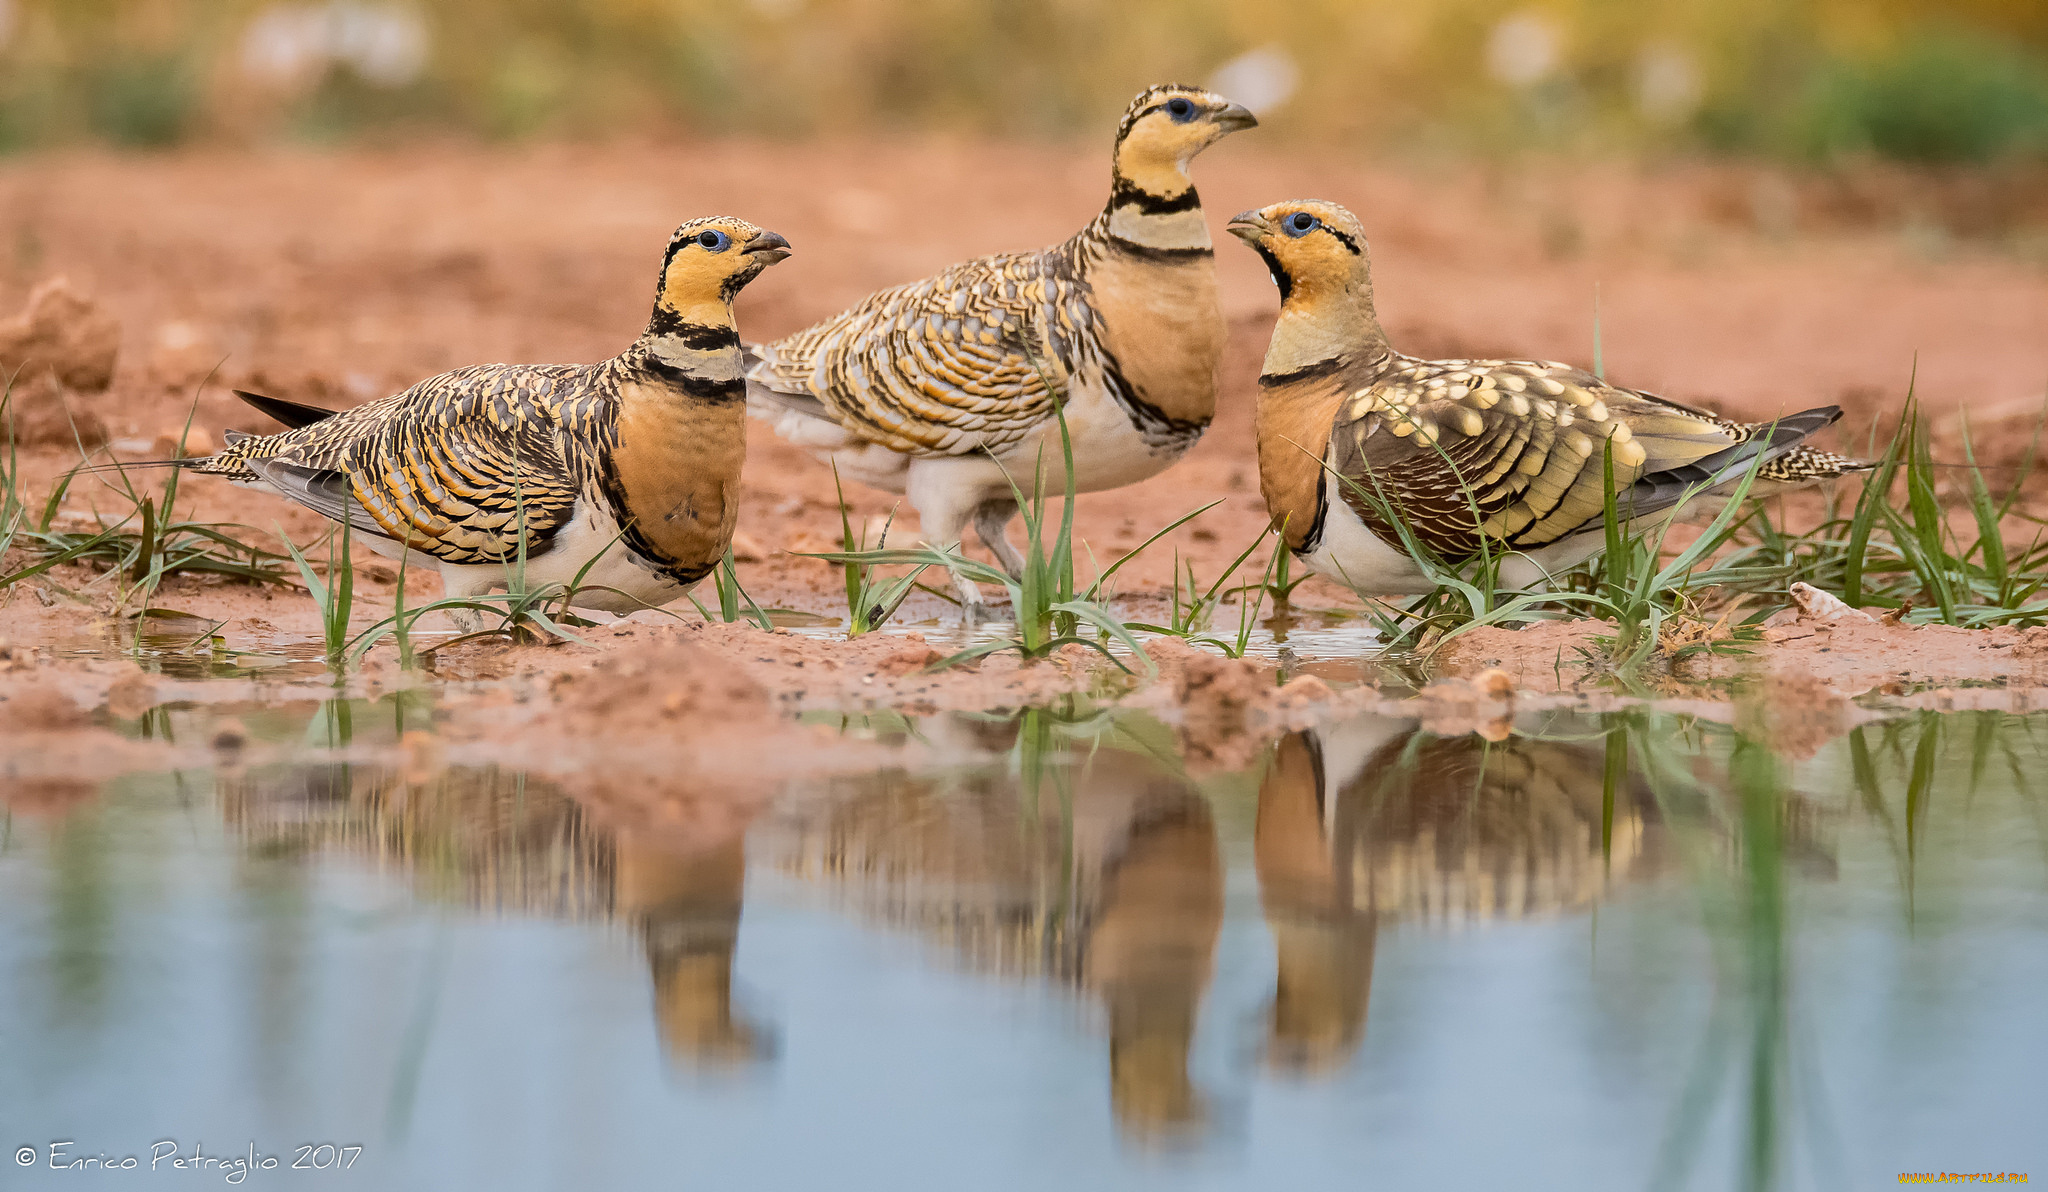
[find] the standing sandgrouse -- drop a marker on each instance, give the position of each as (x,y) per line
(939,389)
(1521,440)
(636,458)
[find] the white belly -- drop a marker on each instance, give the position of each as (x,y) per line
(1108,450)
(616,582)
(1353,555)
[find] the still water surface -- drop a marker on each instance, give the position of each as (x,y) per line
(1050,952)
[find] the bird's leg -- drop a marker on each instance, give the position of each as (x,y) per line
(949,493)
(944,523)
(467,583)
(991,520)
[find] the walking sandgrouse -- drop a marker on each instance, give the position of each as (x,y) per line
(946,389)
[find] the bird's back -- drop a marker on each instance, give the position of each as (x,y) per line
(940,366)
(524,401)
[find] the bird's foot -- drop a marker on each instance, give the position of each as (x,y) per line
(978,613)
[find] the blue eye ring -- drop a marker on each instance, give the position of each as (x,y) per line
(1181,109)
(1301,223)
(714,240)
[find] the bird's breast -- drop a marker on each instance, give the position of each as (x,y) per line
(1162,325)
(674,474)
(1292,425)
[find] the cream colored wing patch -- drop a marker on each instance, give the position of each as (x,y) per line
(1514,449)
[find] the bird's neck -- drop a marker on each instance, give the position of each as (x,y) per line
(694,350)
(1325,328)
(1153,209)
(1326,344)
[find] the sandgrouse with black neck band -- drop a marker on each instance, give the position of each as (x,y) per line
(944,389)
(633,462)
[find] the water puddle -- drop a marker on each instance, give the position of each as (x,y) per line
(1336,646)
(1049,950)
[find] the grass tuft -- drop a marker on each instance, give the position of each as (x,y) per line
(870,601)
(1048,608)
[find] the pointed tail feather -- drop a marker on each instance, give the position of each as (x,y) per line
(1786,461)
(291,413)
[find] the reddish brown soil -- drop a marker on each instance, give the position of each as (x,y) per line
(1851,657)
(336,277)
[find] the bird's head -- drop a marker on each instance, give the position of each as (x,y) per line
(1166,126)
(1311,247)
(708,261)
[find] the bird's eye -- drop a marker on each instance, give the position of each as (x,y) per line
(714,240)
(1181,110)
(1301,223)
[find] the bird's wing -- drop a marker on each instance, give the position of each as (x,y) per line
(951,365)
(453,466)
(1523,444)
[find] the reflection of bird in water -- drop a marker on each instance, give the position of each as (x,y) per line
(1114,886)
(1375,820)
(689,908)
(496,839)
(1322,938)
(1149,958)
(480,836)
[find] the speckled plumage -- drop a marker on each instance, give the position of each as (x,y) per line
(945,388)
(1514,450)
(958,363)
(635,458)
(445,465)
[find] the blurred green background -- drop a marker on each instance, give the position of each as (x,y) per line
(1811,80)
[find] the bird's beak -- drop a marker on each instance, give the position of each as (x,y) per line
(1235,118)
(1249,226)
(769,246)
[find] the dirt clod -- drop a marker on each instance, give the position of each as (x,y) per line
(1454,707)
(1221,701)
(908,659)
(1303,692)
(195,442)
(45,415)
(62,333)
